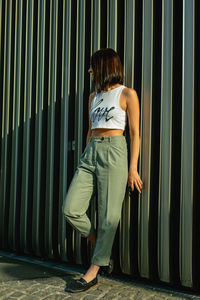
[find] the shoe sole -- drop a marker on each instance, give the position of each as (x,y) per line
(72,291)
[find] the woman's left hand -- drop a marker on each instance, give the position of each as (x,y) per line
(134,179)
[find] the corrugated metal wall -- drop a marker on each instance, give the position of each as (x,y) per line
(45,49)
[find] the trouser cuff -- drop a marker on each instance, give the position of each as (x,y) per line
(100,262)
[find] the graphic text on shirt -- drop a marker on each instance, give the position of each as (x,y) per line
(100,112)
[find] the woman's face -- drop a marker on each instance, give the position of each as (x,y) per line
(91,72)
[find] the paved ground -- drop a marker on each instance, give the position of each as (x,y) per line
(29,279)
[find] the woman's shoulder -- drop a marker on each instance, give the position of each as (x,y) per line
(130,96)
(129,92)
(127,97)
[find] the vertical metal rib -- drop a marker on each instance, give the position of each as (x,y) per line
(95,25)
(1,79)
(125,235)
(5,122)
(13,222)
(129,31)
(66,53)
(94,46)
(51,127)
(80,54)
(112,24)
(0,28)
(165,142)
(37,220)
(129,42)
(146,123)
(187,145)
(25,212)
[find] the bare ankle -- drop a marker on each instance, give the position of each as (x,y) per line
(91,273)
(94,268)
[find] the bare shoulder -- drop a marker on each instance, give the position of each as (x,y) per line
(130,93)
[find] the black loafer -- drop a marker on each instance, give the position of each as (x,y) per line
(80,285)
(107,270)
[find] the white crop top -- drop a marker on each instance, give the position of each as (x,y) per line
(106,112)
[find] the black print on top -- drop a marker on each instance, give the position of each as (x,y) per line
(100,112)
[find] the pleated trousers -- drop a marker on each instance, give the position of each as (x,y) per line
(102,170)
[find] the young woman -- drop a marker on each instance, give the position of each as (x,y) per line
(103,166)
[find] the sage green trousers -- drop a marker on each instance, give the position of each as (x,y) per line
(102,170)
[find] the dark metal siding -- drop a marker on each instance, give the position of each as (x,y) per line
(45,49)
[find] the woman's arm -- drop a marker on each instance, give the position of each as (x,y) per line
(89,127)
(133,111)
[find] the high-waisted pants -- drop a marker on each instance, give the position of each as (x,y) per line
(102,169)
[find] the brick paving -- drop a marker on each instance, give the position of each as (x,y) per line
(24,280)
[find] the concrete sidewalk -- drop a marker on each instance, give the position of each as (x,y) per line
(27,279)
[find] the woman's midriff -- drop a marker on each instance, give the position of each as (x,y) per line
(106,132)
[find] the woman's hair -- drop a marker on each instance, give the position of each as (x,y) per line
(107,68)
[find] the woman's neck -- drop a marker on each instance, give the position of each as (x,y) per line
(112,87)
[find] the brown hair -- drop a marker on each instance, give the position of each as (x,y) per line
(107,68)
